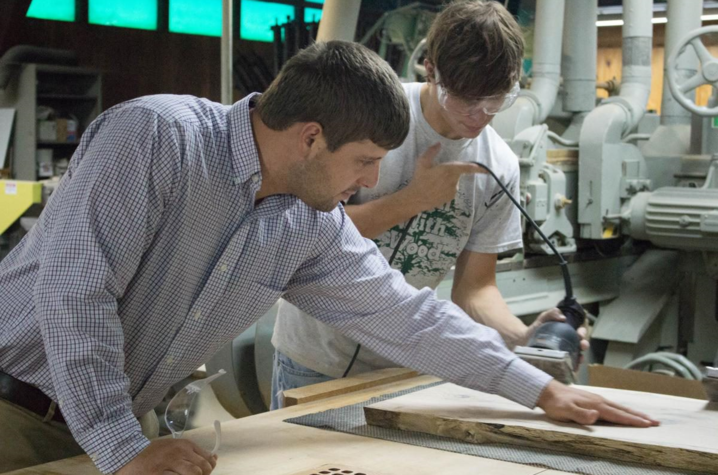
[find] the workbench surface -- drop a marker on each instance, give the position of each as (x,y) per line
(265,445)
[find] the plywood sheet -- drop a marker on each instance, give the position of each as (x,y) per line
(686,439)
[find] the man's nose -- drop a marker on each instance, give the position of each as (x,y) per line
(371,177)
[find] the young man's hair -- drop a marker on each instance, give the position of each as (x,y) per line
(345,87)
(478,48)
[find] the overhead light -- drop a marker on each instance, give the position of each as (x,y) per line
(655,20)
(609,23)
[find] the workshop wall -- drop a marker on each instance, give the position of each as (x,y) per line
(133,62)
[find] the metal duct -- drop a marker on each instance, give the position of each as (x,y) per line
(578,62)
(535,104)
(339,20)
(18,55)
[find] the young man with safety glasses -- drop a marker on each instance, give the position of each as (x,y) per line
(429,211)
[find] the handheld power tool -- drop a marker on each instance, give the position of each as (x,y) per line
(555,347)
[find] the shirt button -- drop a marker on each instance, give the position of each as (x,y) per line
(170,359)
(223,268)
(197,315)
(255,178)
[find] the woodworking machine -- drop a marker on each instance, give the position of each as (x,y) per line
(627,196)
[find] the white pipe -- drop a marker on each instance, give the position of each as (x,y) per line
(226,52)
(534,105)
(339,20)
(578,62)
(636,68)
(684,16)
(548,35)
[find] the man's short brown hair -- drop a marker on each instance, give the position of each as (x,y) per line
(478,48)
(345,87)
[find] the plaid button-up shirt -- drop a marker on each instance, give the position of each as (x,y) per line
(152,254)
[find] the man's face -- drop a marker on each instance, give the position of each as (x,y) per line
(325,178)
(468,117)
(466,126)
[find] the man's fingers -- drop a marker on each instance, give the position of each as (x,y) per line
(585,416)
(553,314)
(200,462)
(618,416)
(427,158)
(633,412)
(183,467)
(205,454)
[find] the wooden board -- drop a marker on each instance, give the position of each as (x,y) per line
(337,387)
(686,439)
(264,444)
(619,378)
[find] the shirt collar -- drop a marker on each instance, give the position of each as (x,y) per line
(242,147)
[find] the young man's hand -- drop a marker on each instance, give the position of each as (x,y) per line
(567,404)
(179,456)
(434,185)
(551,315)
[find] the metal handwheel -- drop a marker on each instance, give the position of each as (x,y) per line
(708,73)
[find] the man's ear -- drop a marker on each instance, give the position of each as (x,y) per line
(311,138)
(429,71)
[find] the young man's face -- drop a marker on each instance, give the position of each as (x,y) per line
(468,118)
(326,178)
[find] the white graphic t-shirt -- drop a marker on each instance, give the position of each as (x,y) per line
(479,219)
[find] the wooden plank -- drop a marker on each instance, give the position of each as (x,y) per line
(555,155)
(341,386)
(618,378)
(687,437)
(266,445)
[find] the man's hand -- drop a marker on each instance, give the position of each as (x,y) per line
(550,315)
(434,185)
(179,456)
(567,404)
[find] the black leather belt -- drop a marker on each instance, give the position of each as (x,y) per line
(27,396)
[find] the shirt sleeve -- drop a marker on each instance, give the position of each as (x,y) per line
(349,285)
(106,211)
(498,226)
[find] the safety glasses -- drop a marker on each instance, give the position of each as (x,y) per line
(178,410)
(490,105)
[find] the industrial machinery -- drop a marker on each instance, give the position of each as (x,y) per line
(629,197)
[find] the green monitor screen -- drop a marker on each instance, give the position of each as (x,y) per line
(196,17)
(140,14)
(257,18)
(62,10)
(312,14)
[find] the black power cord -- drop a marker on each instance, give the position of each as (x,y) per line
(561,261)
(404,232)
(571,309)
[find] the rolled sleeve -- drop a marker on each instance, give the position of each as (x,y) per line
(349,285)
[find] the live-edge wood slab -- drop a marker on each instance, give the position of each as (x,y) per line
(687,438)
